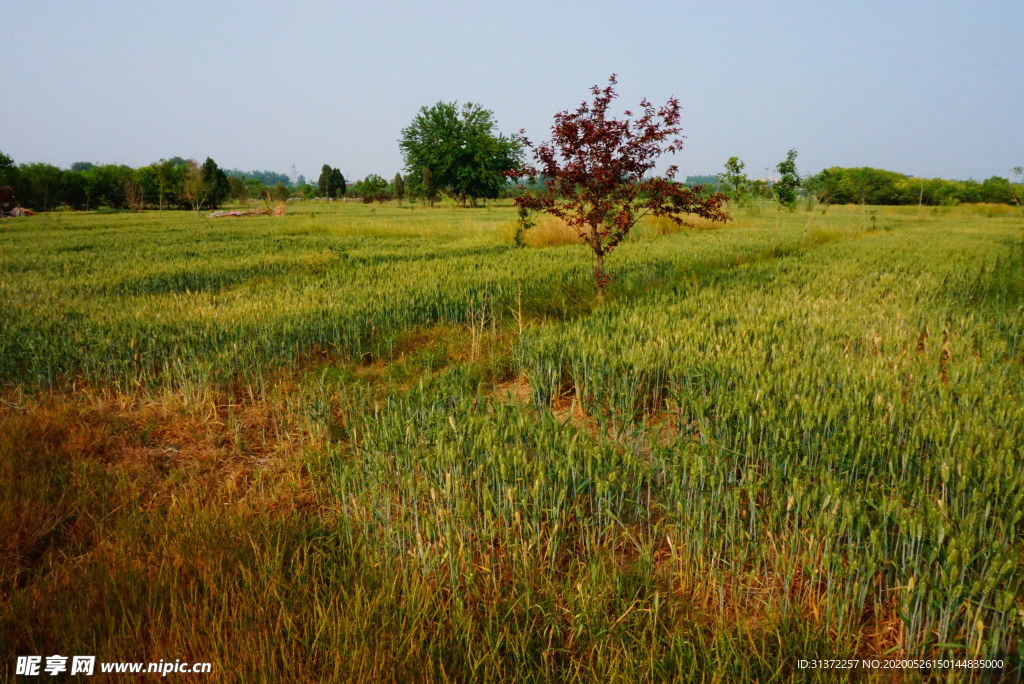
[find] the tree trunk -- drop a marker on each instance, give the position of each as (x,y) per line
(599,275)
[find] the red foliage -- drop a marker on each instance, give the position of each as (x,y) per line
(595,169)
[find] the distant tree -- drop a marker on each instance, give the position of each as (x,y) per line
(413,186)
(162,181)
(597,168)
(105,184)
(466,157)
(270,178)
(398,187)
(760,189)
(39,186)
(256,188)
(705,180)
(73,189)
(8,170)
(331,182)
(134,196)
(300,181)
(734,181)
(789,181)
(194,189)
(338,181)
(9,180)
(429,189)
(373,188)
(170,177)
(860,185)
(324,183)
(997,189)
(281,192)
(216,181)
(238,191)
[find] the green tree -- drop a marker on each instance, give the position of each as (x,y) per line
(373,188)
(338,181)
(238,191)
(8,179)
(73,189)
(735,182)
(789,181)
(466,157)
(8,170)
(193,189)
(256,188)
(39,186)
(134,194)
(997,189)
(105,184)
(324,182)
(169,178)
(216,182)
(398,187)
(859,185)
(429,189)
(331,183)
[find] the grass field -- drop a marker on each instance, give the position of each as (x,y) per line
(365,443)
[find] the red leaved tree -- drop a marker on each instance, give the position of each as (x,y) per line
(596,169)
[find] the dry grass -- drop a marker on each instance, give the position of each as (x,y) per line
(550,231)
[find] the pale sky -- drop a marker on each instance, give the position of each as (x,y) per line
(924,88)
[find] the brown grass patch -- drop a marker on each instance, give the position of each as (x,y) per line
(220,451)
(550,231)
(516,391)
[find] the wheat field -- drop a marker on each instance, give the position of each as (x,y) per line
(360,443)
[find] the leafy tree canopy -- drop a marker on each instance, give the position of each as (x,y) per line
(598,169)
(398,187)
(331,182)
(789,181)
(8,170)
(373,188)
(215,182)
(338,181)
(459,146)
(270,178)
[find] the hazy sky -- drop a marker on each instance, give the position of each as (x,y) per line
(930,88)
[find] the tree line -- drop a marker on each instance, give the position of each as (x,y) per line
(179,183)
(449,150)
(867,185)
(174,183)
